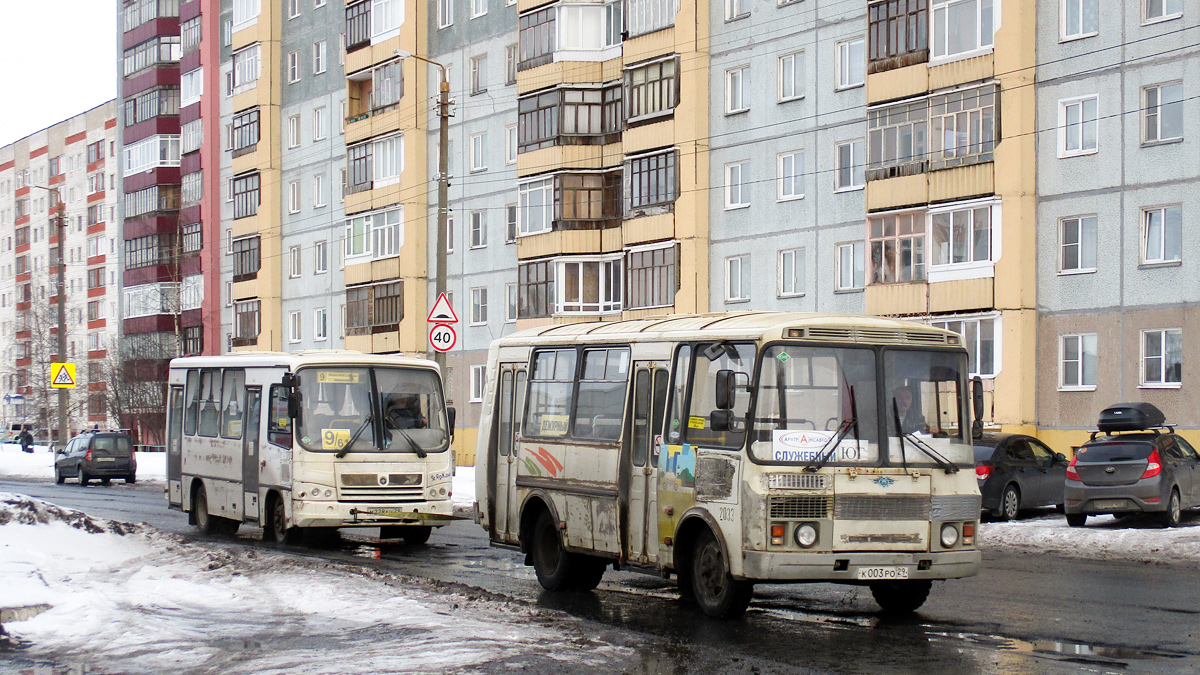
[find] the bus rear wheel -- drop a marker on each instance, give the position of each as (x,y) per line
(715,590)
(900,597)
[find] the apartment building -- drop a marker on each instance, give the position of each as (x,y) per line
(75,162)
(476,40)
(950,182)
(786,142)
(1117,210)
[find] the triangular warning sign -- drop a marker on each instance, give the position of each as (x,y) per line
(442,312)
(63,377)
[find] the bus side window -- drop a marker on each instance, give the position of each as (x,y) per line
(738,358)
(505,422)
(176,431)
(642,436)
(659,401)
(193,402)
(519,403)
(253,406)
(231,417)
(210,402)
(600,404)
(551,390)
(683,366)
(279,425)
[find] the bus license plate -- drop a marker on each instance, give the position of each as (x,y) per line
(882,573)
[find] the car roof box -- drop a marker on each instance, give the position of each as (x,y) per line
(1130,417)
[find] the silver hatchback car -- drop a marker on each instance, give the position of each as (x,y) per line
(1138,466)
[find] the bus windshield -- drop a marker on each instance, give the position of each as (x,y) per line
(371,409)
(925,400)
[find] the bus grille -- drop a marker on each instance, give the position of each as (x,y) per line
(797,481)
(800,508)
(382,488)
(881,507)
(956,507)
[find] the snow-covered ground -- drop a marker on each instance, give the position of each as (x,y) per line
(1104,538)
(152,466)
(135,600)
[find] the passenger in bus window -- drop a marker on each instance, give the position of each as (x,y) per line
(404,412)
(911,419)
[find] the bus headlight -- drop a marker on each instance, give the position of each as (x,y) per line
(805,535)
(949,535)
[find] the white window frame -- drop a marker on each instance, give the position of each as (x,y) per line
(247,68)
(857,175)
(973,349)
(294,196)
(605,304)
(320,57)
(479,306)
(293,9)
(737,278)
(320,324)
(479,152)
(191,87)
(1157,114)
(1068,132)
(511,303)
(544,186)
(796,59)
(295,327)
(293,67)
(479,8)
(795,286)
(844,66)
(293,130)
(1083,342)
(1161,253)
(983,44)
(737,98)
(789,187)
(295,264)
(478,74)
(387,158)
(858,262)
(1085,226)
(319,191)
(445,13)
(972,269)
(1166,15)
(478,382)
(387,16)
(478,229)
(736,9)
(321,257)
(1161,382)
(1064,13)
(245,13)
(510,144)
(320,115)
(737,191)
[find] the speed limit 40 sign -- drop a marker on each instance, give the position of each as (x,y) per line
(442,337)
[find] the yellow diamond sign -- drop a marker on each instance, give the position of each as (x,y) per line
(62,375)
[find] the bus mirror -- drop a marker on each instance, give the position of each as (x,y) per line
(453,415)
(719,420)
(726,389)
(293,404)
(977,406)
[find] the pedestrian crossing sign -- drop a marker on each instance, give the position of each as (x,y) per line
(62,375)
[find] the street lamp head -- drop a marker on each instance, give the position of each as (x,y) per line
(402,54)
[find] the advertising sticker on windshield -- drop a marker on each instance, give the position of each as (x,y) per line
(807,445)
(336,377)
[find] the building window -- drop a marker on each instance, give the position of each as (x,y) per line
(1160,10)
(981,337)
(510,223)
(535,289)
(1080,19)
(510,144)
(387,85)
(319,190)
(246,321)
(791,77)
(737,90)
(851,63)
(510,303)
(320,325)
(1162,234)
(321,257)
(737,278)
(293,8)
(737,190)
(592,198)
(897,248)
(191,86)
(1162,357)
(245,195)
(962,235)
(963,127)
(478,74)
(191,188)
(164,49)
(358,25)
(294,327)
(294,196)
(651,277)
(588,286)
(245,132)
(535,206)
(897,139)
(479,152)
(898,34)
(478,306)
(790,176)
(157,102)
(143,155)
(510,65)
(478,229)
(651,181)
(245,11)
(192,238)
(445,13)
(377,308)
(1078,120)
(647,16)
(376,234)
(791,273)
(247,64)
(319,60)
(193,340)
(961,26)
(148,251)
(246,258)
(1077,362)
(294,261)
(736,9)
(536,37)
(478,380)
(567,116)
(388,155)
(359,161)
(1162,116)
(850,173)
(851,266)
(651,90)
(386,16)
(1078,244)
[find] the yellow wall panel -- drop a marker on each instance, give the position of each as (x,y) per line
(648,136)
(962,182)
(899,83)
(357,273)
(963,71)
(648,229)
(897,299)
(560,72)
(649,45)
(894,193)
(961,296)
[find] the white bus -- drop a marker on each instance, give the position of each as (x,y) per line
(730,449)
(310,441)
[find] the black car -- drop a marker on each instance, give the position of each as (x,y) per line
(1018,472)
(97,454)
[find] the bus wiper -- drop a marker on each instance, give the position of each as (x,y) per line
(412,444)
(838,434)
(941,461)
(354,437)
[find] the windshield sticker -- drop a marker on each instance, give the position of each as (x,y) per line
(334,439)
(695,422)
(783,357)
(807,445)
(554,425)
(336,377)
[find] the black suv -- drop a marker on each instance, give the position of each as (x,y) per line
(1140,465)
(97,454)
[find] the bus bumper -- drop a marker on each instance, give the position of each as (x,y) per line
(340,514)
(844,566)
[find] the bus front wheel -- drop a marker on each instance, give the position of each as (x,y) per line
(900,597)
(277,530)
(715,590)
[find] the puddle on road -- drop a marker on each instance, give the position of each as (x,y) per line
(1070,651)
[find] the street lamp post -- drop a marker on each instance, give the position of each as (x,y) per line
(60,221)
(443,185)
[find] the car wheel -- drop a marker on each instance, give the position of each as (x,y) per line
(717,593)
(106,481)
(900,597)
(1171,517)
(58,477)
(1076,519)
(83,477)
(1010,503)
(130,479)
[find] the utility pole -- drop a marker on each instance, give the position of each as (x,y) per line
(62,315)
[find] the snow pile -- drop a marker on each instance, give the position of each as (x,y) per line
(464,489)
(151,466)
(1104,538)
(148,602)
(23,510)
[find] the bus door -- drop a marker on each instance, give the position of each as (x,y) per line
(175,447)
(510,401)
(250,466)
(639,521)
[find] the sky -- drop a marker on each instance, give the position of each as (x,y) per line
(58,58)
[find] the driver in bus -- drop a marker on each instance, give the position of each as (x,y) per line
(911,419)
(404,412)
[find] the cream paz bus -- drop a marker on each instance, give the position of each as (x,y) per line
(309,441)
(731,449)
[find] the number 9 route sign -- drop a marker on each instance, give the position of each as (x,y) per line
(442,337)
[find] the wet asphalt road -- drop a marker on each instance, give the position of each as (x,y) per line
(1022,614)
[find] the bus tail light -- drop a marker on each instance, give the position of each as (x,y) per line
(777,530)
